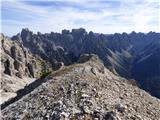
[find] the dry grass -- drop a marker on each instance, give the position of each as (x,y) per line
(65,70)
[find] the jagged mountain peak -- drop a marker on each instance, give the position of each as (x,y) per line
(119,52)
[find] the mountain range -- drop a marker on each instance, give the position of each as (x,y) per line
(80,75)
(133,56)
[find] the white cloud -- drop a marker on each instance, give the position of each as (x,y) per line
(126,16)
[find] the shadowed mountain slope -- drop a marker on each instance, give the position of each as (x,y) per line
(120,53)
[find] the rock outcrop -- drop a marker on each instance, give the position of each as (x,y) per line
(86,90)
(18,67)
(17,60)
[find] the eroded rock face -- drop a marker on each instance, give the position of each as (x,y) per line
(18,63)
(75,92)
(15,59)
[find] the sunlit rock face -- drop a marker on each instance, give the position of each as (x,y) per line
(19,67)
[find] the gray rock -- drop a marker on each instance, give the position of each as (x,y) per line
(121,108)
(111,116)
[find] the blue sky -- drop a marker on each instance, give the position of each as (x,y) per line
(103,16)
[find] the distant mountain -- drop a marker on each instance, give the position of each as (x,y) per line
(146,68)
(39,44)
(68,46)
(121,53)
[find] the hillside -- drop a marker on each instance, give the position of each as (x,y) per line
(85,90)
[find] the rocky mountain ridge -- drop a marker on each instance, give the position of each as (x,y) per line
(86,90)
(119,52)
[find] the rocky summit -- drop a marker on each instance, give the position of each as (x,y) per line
(86,90)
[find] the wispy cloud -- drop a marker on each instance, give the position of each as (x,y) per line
(106,16)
